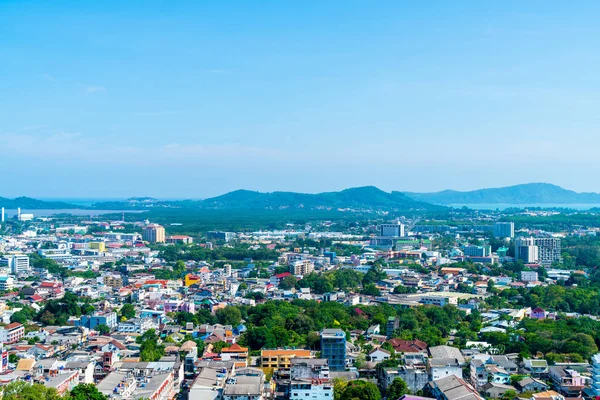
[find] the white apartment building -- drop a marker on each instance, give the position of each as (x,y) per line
(529,276)
(17,264)
(136,325)
(438,300)
(544,250)
(311,389)
(6,283)
(526,250)
(443,367)
(395,229)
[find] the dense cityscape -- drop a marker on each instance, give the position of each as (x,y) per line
(299,200)
(481,304)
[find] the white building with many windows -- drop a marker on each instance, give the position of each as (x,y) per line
(16,263)
(313,389)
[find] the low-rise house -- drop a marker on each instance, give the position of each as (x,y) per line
(62,382)
(548,395)
(40,351)
(496,390)
(538,313)
(569,382)
(246,384)
(12,333)
(379,354)
(453,388)
(536,367)
(235,353)
(416,378)
(529,384)
(84,368)
(408,346)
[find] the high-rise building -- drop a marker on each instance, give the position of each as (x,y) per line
(333,348)
(526,250)
(549,250)
(595,389)
(17,264)
(504,230)
(544,250)
(302,267)
(153,233)
(477,251)
(395,229)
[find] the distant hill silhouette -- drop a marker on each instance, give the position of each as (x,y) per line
(361,198)
(367,197)
(529,193)
(34,204)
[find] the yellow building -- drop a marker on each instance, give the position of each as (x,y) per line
(153,233)
(190,279)
(100,246)
(281,358)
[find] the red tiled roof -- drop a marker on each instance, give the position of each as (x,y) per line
(408,346)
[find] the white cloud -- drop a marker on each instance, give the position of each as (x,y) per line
(72,146)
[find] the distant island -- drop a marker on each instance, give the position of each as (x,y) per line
(525,194)
(367,198)
(361,198)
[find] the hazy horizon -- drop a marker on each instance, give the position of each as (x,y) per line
(90,200)
(192,99)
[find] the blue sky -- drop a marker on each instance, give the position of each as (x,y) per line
(195,98)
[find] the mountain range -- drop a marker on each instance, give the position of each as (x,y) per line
(525,194)
(361,198)
(29,203)
(367,198)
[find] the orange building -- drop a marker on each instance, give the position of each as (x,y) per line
(237,354)
(190,280)
(280,358)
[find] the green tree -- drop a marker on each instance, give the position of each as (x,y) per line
(103,329)
(20,390)
(128,311)
(19,317)
(86,391)
(229,316)
(360,390)
(370,290)
(288,282)
(150,349)
(204,316)
(396,389)
(218,346)
(260,337)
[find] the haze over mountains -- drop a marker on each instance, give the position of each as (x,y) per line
(364,198)
(529,193)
